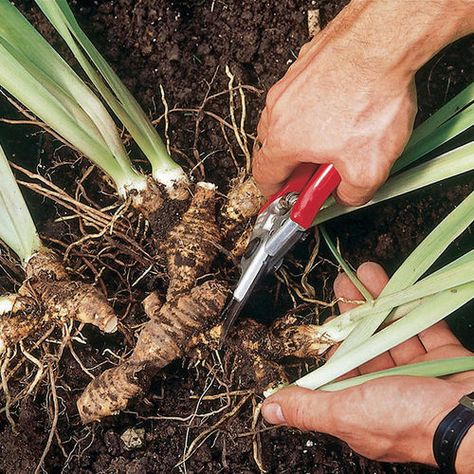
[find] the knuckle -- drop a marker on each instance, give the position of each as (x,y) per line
(274,93)
(371,174)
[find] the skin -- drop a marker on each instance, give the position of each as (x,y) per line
(389,419)
(349,99)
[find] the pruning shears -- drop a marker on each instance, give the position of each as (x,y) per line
(283,220)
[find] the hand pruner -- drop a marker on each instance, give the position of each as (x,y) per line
(281,223)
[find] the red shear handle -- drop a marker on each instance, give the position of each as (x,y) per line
(295,183)
(323,182)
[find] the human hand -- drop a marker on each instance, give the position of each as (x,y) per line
(391,418)
(349,98)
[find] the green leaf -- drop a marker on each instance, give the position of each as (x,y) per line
(17,229)
(447,165)
(449,110)
(431,311)
(401,302)
(456,125)
(33,73)
(431,368)
(413,268)
(117,96)
(344,265)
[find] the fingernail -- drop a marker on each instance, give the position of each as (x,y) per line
(273,414)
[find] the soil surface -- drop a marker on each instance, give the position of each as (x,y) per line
(184,46)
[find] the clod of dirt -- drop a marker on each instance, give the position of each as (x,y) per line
(133,438)
(193,243)
(163,339)
(19,317)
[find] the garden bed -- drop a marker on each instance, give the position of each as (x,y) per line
(185,46)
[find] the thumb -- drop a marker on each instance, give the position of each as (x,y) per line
(303,409)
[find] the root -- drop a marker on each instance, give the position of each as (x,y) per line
(156,200)
(62,299)
(54,422)
(152,305)
(149,201)
(256,349)
(240,243)
(199,440)
(286,338)
(193,244)
(163,339)
(244,200)
(111,391)
(6,391)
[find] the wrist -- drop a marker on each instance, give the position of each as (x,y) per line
(422,449)
(453,436)
(395,39)
(465,458)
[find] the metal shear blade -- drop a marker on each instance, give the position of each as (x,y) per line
(282,221)
(266,258)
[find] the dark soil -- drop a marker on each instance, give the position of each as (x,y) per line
(185,45)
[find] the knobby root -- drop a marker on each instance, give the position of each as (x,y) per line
(193,243)
(150,200)
(48,297)
(166,337)
(19,317)
(63,299)
(244,200)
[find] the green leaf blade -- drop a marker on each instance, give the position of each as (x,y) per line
(433,310)
(17,229)
(419,261)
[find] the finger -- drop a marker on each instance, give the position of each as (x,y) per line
(382,362)
(373,277)
(360,180)
(406,352)
(444,352)
(437,336)
(448,352)
(303,409)
(345,290)
(270,173)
